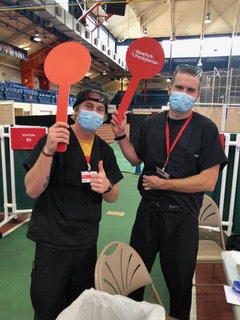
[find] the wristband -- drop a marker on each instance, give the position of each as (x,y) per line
(46,154)
(120,137)
(109,188)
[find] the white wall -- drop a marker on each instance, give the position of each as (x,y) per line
(8,73)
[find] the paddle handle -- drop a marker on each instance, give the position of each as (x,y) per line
(62,111)
(127,97)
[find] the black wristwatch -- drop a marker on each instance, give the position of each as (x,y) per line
(109,188)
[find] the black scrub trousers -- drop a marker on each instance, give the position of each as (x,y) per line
(59,277)
(173,234)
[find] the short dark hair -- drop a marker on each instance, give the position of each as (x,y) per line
(194,71)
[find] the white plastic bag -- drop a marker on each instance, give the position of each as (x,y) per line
(98,305)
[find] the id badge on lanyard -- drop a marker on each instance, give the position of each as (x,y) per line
(162,173)
(87,175)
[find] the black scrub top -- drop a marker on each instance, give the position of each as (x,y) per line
(198,149)
(67,214)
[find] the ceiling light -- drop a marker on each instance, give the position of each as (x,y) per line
(121,39)
(145,33)
(105,22)
(24,46)
(173,37)
(36,38)
(48,23)
(199,64)
(208,18)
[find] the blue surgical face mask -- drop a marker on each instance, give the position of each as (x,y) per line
(90,120)
(181,102)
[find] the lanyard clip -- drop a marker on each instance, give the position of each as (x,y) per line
(88,163)
(165,164)
(89,167)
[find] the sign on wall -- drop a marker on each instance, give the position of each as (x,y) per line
(13,51)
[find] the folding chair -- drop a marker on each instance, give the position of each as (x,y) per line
(121,270)
(209,219)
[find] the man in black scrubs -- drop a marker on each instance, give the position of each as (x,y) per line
(70,187)
(182,156)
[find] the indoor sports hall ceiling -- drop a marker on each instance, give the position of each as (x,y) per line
(161,19)
(184,18)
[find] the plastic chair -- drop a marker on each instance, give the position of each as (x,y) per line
(210,251)
(122,271)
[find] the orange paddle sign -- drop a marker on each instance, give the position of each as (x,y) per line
(144,58)
(66,64)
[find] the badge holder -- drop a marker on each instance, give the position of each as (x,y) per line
(162,173)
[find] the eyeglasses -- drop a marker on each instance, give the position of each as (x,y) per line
(193,70)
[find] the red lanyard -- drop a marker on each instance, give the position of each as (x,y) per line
(169,149)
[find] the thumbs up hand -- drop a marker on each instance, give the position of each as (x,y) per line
(99,181)
(100,167)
